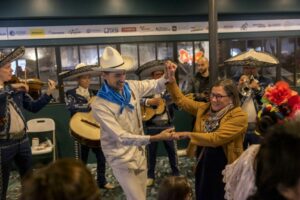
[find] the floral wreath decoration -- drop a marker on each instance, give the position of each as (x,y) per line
(280,100)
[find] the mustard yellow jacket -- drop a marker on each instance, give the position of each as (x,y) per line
(229,135)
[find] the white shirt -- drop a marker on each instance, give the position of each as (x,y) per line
(249,107)
(83,92)
(122,135)
(16,122)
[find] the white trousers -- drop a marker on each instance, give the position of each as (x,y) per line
(133,182)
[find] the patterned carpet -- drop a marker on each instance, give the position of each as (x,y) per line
(162,170)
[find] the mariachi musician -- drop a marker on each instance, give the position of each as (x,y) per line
(162,120)
(250,93)
(77,100)
(14,143)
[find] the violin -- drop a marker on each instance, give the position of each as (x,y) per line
(35,85)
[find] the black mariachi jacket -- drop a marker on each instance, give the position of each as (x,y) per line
(77,103)
(22,101)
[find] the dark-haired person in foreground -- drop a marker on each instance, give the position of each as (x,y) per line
(66,179)
(258,172)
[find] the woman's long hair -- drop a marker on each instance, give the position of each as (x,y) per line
(278,161)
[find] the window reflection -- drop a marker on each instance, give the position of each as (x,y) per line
(88,55)
(254,44)
(47,67)
(287,59)
(147,52)
(270,46)
(26,65)
(69,57)
(165,50)
(131,50)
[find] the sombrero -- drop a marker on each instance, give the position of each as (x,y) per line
(80,70)
(145,71)
(18,52)
(112,61)
(252,58)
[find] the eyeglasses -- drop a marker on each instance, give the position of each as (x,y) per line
(217,96)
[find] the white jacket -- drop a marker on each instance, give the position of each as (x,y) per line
(122,135)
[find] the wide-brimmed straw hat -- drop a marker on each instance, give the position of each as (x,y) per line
(80,70)
(145,71)
(8,58)
(112,61)
(252,58)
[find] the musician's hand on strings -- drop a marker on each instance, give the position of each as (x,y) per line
(51,86)
(20,86)
(254,85)
(170,71)
(153,101)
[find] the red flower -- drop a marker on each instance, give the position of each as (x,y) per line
(294,104)
(279,93)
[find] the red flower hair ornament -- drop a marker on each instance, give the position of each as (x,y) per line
(283,99)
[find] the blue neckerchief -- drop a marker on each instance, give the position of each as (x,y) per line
(111,95)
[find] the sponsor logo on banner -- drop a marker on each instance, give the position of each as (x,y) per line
(162,28)
(259,25)
(111,30)
(37,32)
(289,23)
(228,26)
(13,33)
(93,30)
(3,33)
(274,25)
(51,32)
(196,28)
(244,26)
(146,28)
(74,31)
(128,29)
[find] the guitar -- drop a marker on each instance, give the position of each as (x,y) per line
(85,129)
(148,112)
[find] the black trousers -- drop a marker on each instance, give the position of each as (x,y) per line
(171,149)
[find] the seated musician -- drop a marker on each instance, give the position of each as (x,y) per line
(77,100)
(158,122)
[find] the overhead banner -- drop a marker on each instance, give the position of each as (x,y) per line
(120,30)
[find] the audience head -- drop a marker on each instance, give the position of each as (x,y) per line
(278,163)
(67,179)
(202,65)
(223,93)
(175,188)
